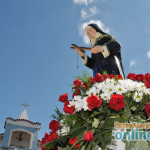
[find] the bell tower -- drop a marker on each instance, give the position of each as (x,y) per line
(21,133)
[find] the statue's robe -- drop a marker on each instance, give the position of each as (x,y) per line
(109,60)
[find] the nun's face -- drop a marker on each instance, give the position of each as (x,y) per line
(91,32)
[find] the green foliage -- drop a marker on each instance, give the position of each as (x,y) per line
(58,115)
(77,131)
(127,111)
(50,145)
(85,75)
(105,72)
(139,145)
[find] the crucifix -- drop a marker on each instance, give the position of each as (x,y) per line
(74,46)
(25,105)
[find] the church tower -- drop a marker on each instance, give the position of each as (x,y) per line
(21,134)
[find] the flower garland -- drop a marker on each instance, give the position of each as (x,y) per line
(103,36)
(88,119)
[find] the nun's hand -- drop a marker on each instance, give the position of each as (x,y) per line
(97,49)
(79,52)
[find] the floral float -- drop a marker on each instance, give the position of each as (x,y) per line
(88,119)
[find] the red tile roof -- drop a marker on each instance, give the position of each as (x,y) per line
(22,120)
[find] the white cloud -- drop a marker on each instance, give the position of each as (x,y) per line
(80,2)
(82,27)
(87,14)
(132,63)
(148,54)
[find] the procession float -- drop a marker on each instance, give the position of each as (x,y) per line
(103,110)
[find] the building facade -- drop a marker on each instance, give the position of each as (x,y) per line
(20,134)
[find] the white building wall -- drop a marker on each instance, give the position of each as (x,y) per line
(38,147)
(1,140)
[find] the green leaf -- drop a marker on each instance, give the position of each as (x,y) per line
(66,148)
(97,143)
(63,139)
(85,75)
(142,145)
(108,112)
(105,72)
(90,145)
(139,145)
(127,111)
(77,131)
(58,116)
(50,145)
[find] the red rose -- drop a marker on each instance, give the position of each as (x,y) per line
(88,136)
(45,138)
(77,82)
(84,85)
(42,146)
(77,91)
(104,76)
(72,141)
(120,77)
(98,78)
(92,80)
(64,97)
(44,141)
(116,102)
(66,103)
(110,76)
(74,94)
(139,77)
(147,109)
(147,80)
(131,76)
(46,135)
(68,109)
(54,125)
(52,136)
(93,101)
(48,138)
(115,77)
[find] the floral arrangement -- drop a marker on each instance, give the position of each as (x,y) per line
(88,119)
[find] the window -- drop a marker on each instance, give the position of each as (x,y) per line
(20,139)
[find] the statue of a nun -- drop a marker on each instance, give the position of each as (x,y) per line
(105,52)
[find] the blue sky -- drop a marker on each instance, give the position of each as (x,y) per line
(36,62)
